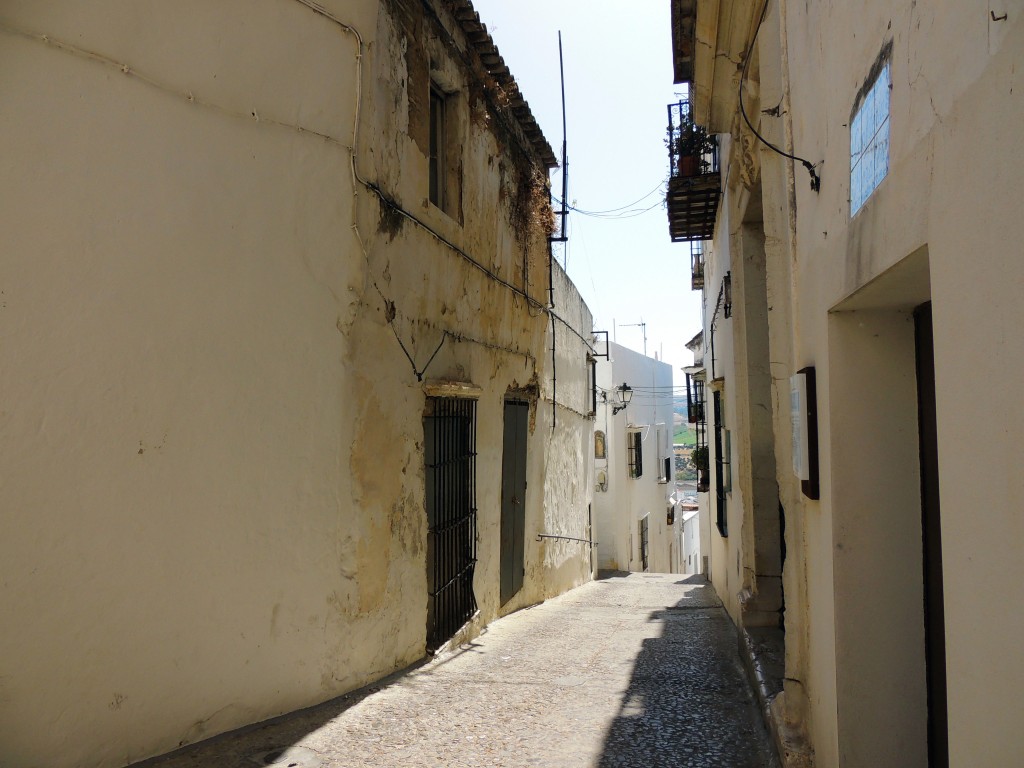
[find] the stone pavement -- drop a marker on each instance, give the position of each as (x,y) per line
(630,670)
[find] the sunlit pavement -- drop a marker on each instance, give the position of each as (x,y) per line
(629,670)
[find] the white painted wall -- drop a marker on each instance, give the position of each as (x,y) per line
(943,225)
(952,161)
(618,510)
(725,552)
(692,561)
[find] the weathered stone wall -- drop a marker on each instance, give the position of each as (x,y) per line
(213,503)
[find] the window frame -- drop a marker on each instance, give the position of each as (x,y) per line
(437,156)
(634,454)
(723,471)
(870,138)
(591,390)
(664,464)
(645,542)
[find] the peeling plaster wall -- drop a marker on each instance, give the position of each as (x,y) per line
(489,335)
(212,495)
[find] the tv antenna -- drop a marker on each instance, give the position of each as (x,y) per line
(643,329)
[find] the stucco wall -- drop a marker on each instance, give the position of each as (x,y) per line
(952,162)
(212,496)
(941,227)
(619,510)
(725,553)
(568,468)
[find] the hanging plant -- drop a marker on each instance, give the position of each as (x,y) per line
(690,144)
(699,458)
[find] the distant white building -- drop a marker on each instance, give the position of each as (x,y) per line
(689,520)
(635,522)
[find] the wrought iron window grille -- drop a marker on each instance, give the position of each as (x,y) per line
(634,454)
(722,478)
(450,461)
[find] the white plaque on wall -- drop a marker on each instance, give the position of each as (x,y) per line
(804,415)
(798,416)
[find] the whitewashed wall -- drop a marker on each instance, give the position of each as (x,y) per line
(619,509)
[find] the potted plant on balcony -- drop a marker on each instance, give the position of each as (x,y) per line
(699,457)
(692,144)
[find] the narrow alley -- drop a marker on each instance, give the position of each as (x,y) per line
(629,670)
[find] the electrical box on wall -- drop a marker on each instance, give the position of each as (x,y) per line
(804,416)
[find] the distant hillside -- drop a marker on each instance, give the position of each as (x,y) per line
(684,432)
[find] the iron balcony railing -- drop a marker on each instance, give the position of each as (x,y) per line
(694,185)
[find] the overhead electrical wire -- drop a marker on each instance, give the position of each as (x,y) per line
(661,185)
(612,217)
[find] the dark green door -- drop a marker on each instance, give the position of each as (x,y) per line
(513,497)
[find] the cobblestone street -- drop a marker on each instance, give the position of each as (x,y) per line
(637,670)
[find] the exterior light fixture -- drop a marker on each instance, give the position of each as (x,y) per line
(625,394)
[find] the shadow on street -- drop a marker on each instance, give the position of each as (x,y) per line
(688,701)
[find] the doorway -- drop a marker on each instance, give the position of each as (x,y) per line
(879,422)
(513,497)
(931,534)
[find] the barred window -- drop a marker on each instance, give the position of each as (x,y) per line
(634,453)
(449,433)
(723,469)
(643,543)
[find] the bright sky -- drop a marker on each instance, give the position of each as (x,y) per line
(618,83)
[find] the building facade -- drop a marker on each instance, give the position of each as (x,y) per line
(636,526)
(291,384)
(697,415)
(861,289)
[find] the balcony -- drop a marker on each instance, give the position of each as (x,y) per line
(697,265)
(694,184)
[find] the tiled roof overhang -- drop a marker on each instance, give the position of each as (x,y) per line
(479,38)
(684,22)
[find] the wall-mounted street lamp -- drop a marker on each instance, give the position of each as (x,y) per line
(625,394)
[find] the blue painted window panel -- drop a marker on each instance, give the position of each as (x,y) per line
(869,141)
